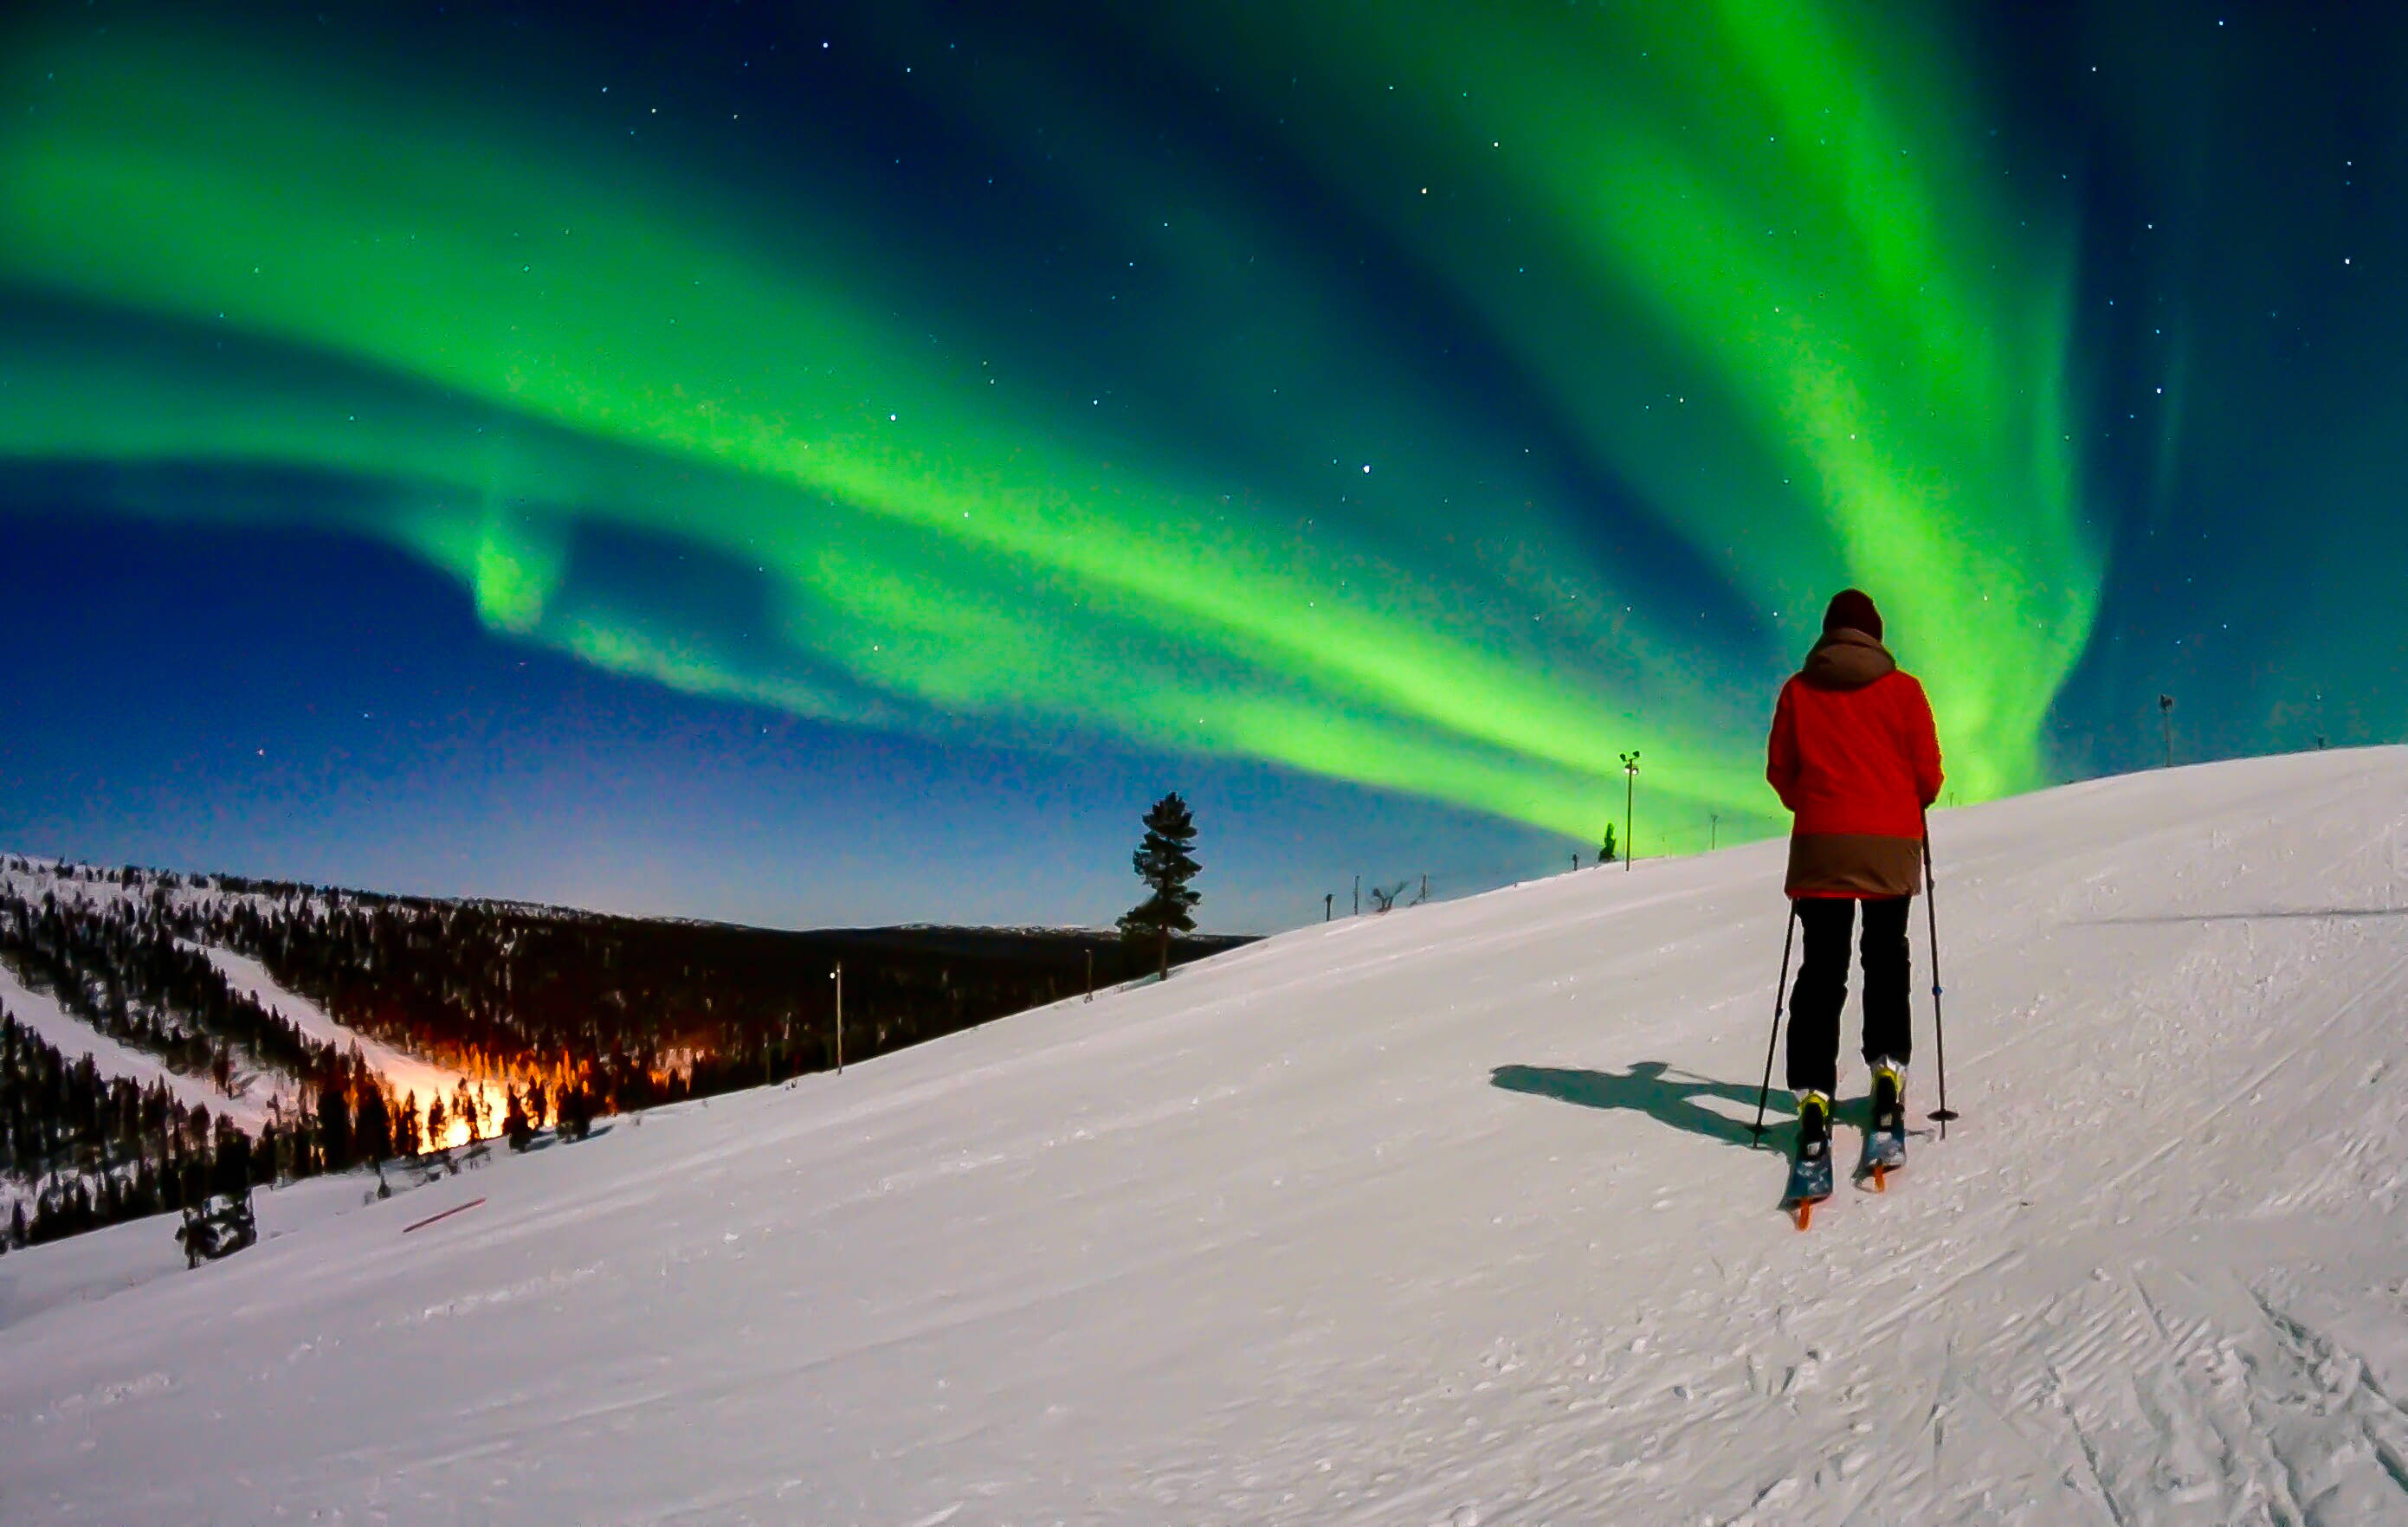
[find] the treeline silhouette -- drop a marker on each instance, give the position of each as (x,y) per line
(565,1016)
(637,1012)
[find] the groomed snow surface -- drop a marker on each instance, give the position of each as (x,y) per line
(1444,1216)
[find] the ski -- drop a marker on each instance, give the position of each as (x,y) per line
(1810,1183)
(1885,1157)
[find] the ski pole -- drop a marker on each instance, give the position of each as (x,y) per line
(1939,1029)
(1780,992)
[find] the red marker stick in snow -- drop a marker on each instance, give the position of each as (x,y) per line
(445,1215)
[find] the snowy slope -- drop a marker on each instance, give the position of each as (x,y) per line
(1442,1217)
(101,1264)
(73,1038)
(405,1074)
(86,886)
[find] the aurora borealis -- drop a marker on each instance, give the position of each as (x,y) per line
(1428,401)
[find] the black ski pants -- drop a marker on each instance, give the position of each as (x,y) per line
(1822,987)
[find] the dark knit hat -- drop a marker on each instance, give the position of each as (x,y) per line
(1853,609)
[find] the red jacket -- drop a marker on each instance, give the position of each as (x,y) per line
(1853,754)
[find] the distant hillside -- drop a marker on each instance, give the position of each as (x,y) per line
(165,1033)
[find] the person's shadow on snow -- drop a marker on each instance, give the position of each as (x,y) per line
(1646,1088)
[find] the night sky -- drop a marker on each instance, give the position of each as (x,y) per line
(816,466)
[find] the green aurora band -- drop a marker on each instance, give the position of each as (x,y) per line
(1756,275)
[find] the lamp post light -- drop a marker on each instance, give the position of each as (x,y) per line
(1629,793)
(838,976)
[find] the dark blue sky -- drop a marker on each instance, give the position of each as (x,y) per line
(237,644)
(294,704)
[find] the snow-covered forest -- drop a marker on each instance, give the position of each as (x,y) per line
(163,1037)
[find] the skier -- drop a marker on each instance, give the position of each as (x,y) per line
(1855,758)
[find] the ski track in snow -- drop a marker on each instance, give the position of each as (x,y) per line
(1376,1222)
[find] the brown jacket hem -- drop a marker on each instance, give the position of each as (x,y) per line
(1859,864)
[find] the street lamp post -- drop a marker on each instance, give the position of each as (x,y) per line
(1629,793)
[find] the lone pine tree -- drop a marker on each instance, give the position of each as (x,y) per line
(1165,866)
